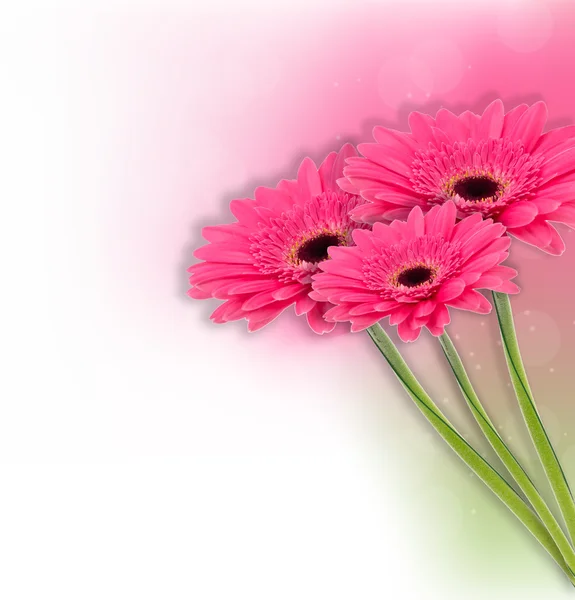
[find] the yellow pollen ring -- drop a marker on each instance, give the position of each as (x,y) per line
(394,277)
(449,185)
(291,255)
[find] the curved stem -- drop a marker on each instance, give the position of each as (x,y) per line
(541,441)
(504,453)
(466,452)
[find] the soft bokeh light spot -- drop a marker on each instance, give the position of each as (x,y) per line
(524,25)
(437,66)
(539,337)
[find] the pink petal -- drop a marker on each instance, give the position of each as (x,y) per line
(198,294)
(546,205)
(316,320)
(265,315)
(225,233)
(244,211)
(221,254)
(483,262)
(385,306)
(332,167)
(562,192)
(288,291)
(473,301)
(530,126)
(438,320)
(317,296)
(497,279)
(450,290)
(363,239)
(487,282)
(471,122)
(209,271)
(440,220)
(511,119)
(256,285)
(258,301)
(372,297)
(564,214)
(338,313)
(488,236)
(303,305)
(275,199)
(385,157)
(384,233)
(345,184)
(466,226)
(397,140)
(559,164)
(420,126)
(340,267)
(425,308)
(519,214)
(228,311)
(308,179)
(365,321)
(554,138)
(366,213)
(491,123)
(503,272)
(542,235)
(416,223)
(507,287)
(401,313)
(454,127)
(408,332)
(363,308)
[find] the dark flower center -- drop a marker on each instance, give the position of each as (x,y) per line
(415,276)
(476,189)
(314,250)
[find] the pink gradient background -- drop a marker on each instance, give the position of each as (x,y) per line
(135,126)
(307,85)
(372,65)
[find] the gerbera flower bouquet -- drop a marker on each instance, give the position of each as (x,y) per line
(409,228)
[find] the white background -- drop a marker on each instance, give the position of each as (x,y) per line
(145,453)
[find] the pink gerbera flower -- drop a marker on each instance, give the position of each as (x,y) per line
(499,165)
(413,270)
(264,262)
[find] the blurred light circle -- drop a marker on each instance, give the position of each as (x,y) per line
(524,25)
(539,337)
(395,85)
(436,66)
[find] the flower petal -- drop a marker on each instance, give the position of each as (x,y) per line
(519,214)
(529,126)
(491,123)
(450,290)
(316,320)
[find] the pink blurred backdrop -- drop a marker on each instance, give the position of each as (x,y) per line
(163,115)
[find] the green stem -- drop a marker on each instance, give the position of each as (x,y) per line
(505,454)
(541,441)
(474,460)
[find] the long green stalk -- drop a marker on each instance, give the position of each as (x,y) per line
(505,454)
(466,452)
(541,441)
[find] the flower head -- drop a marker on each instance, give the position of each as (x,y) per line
(265,261)
(498,165)
(413,270)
